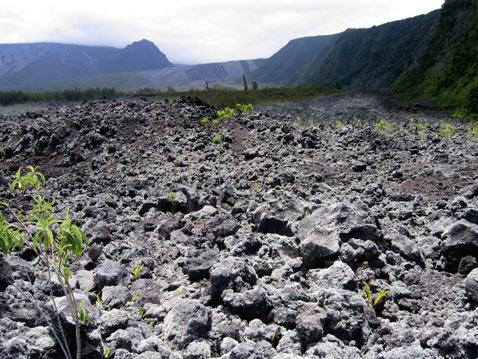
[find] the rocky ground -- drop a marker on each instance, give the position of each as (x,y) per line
(264,246)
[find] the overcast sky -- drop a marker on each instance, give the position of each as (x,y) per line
(193,31)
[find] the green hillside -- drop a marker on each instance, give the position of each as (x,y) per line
(284,66)
(447,69)
(371,58)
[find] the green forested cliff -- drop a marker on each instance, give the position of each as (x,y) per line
(447,69)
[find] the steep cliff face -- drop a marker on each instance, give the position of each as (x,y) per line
(371,58)
(285,66)
(447,69)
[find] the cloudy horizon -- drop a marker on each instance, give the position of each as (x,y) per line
(189,31)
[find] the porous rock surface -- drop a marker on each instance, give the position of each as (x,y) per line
(265,248)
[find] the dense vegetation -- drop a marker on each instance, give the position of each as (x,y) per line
(447,70)
(14,97)
(371,58)
(284,66)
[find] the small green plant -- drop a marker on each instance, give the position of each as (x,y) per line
(106,352)
(99,300)
(385,127)
(54,238)
(226,114)
(357,122)
(217,138)
(205,120)
(136,272)
(256,187)
(83,314)
(297,122)
(472,132)
(339,125)
(447,130)
(243,108)
(142,312)
(418,127)
(172,200)
(2,152)
(369,297)
(135,297)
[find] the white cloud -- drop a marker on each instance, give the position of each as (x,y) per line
(191,31)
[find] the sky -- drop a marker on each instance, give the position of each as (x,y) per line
(196,31)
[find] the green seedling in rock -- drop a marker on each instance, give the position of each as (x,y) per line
(297,122)
(217,138)
(136,272)
(385,127)
(377,300)
(172,200)
(56,241)
(339,125)
(226,114)
(472,132)
(106,352)
(418,127)
(205,120)
(256,187)
(447,130)
(243,108)
(357,123)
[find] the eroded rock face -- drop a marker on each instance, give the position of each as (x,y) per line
(261,252)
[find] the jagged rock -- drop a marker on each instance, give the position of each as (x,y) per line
(253,303)
(339,275)
(471,285)
(116,296)
(231,273)
(109,273)
(186,322)
(461,239)
(345,314)
(319,247)
(112,321)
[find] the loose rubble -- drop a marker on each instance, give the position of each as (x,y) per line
(262,251)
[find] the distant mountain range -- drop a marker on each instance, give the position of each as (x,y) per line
(431,56)
(41,65)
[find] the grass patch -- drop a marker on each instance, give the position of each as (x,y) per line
(221,98)
(15,97)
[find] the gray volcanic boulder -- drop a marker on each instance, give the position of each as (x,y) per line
(109,273)
(253,303)
(319,247)
(471,285)
(345,314)
(231,273)
(187,321)
(460,240)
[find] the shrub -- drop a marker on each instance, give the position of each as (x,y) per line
(243,108)
(339,125)
(357,122)
(385,127)
(447,130)
(217,138)
(54,238)
(226,114)
(472,132)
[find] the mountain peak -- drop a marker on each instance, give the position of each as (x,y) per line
(143,55)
